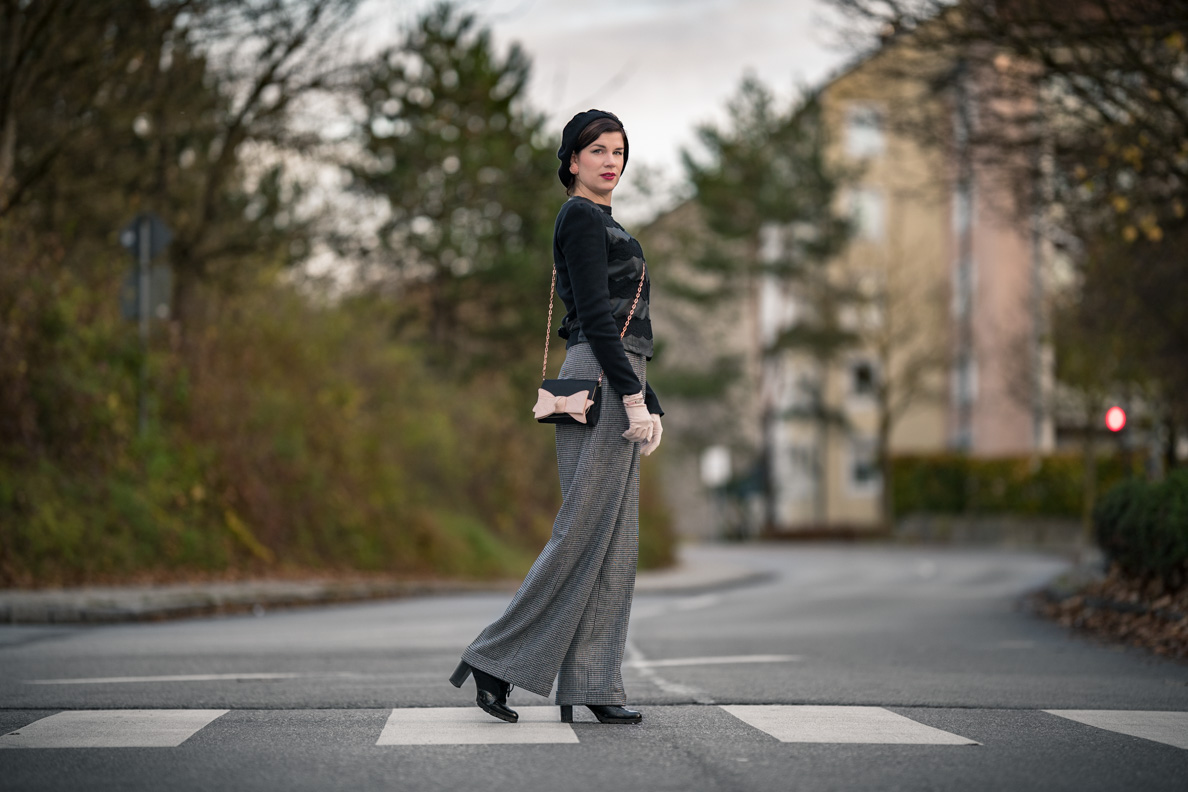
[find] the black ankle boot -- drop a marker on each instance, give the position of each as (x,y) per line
(492,691)
(606,713)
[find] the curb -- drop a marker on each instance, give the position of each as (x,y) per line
(106,605)
(116,604)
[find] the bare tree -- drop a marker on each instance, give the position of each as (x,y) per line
(1081,109)
(71,50)
(273,55)
(209,75)
(1086,97)
(901,322)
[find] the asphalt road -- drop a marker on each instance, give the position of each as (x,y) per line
(852,667)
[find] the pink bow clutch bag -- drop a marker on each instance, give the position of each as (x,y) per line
(568,401)
(573,401)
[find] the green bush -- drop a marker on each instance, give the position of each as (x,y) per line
(657,543)
(285,437)
(1048,486)
(1143,527)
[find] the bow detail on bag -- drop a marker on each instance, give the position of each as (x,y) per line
(574,405)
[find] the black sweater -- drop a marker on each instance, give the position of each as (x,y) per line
(598,270)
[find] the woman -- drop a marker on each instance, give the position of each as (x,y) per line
(568,621)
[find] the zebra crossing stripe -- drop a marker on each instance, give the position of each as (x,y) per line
(472,726)
(1170,728)
(808,723)
(112,729)
(541,725)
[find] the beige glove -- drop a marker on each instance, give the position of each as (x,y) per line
(640,430)
(647,448)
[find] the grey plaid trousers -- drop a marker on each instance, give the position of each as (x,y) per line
(570,614)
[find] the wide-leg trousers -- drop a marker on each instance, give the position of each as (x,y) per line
(568,620)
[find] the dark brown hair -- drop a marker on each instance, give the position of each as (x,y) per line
(592,132)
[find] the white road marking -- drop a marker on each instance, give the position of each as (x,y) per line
(112,729)
(636,660)
(541,725)
(167,678)
(724,660)
(1170,728)
(472,726)
(806,723)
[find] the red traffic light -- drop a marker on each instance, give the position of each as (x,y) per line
(1115,419)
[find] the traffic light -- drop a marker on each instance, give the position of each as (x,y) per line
(1115,419)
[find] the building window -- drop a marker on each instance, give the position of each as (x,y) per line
(863,379)
(866,206)
(864,131)
(863,468)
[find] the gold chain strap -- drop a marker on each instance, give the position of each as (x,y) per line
(544,367)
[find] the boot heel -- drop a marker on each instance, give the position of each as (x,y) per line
(567,713)
(460,674)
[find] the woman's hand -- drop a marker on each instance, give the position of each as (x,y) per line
(640,428)
(647,448)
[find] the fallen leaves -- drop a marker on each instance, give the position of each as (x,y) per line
(1126,610)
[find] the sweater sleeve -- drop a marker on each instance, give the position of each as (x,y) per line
(581,237)
(652,401)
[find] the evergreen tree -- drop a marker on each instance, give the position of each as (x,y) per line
(468,174)
(767,187)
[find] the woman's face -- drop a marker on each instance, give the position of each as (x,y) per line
(597,167)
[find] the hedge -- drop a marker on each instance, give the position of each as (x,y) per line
(1143,527)
(1050,486)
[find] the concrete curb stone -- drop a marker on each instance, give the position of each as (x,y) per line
(108,604)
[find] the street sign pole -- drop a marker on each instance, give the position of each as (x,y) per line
(145,237)
(144,254)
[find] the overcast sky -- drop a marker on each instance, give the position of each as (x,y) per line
(663,66)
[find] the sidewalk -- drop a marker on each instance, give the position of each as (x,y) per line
(694,573)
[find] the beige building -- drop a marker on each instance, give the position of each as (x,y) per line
(950,342)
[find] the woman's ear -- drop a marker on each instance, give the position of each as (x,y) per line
(573,163)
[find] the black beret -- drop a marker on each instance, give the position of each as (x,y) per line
(569,138)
